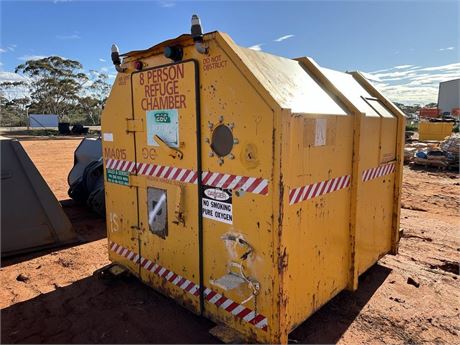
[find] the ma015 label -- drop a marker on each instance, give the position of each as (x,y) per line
(217,204)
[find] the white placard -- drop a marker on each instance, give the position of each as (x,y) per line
(320,132)
(217,204)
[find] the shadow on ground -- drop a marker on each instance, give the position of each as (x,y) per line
(127,311)
(88,225)
(94,311)
(330,322)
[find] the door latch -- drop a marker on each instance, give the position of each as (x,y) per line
(172,152)
(178,210)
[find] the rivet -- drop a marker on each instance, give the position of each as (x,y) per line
(210,124)
(221,161)
(211,154)
(235,141)
(221,119)
(231,156)
(231,125)
(206,140)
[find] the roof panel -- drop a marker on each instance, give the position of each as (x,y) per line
(351,89)
(289,84)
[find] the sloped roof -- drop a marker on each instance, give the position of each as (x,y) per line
(351,89)
(289,84)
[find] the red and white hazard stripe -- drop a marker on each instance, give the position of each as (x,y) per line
(228,181)
(249,184)
(379,171)
(225,303)
(118,164)
(319,188)
(169,173)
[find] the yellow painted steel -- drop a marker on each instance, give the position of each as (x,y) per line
(303,138)
(434,130)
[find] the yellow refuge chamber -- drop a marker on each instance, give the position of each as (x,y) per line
(250,188)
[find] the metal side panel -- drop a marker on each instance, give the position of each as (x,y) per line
(31,216)
(89,149)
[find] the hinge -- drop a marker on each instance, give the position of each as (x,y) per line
(134,125)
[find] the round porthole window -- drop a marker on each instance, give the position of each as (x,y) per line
(222,140)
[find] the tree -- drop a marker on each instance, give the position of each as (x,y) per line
(55,84)
(96,94)
(60,86)
(13,109)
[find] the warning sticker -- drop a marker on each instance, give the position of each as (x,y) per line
(118,177)
(217,204)
(165,124)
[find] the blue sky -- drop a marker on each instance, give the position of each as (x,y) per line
(406,47)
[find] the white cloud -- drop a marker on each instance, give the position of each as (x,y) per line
(395,67)
(448,48)
(102,60)
(256,47)
(10,76)
(411,84)
(396,74)
(282,38)
(371,77)
(68,37)
(10,48)
(403,66)
(166,3)
(104,69)
(31,57)
(449,67)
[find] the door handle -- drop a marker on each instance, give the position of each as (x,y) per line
(172,151)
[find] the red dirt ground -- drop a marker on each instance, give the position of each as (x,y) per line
(61,302)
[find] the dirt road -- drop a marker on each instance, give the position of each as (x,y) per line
(57,300)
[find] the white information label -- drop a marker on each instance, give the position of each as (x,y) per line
(107,136)
(320,132)
(217,204)
(165,124)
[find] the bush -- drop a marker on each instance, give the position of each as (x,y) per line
(412,127)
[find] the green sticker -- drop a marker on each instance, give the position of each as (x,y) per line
(162,117)
(118,176)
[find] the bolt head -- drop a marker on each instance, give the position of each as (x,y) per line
(221,118)
(221,161)
(210,124)
(231,156)
(211,154)
(235,141)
